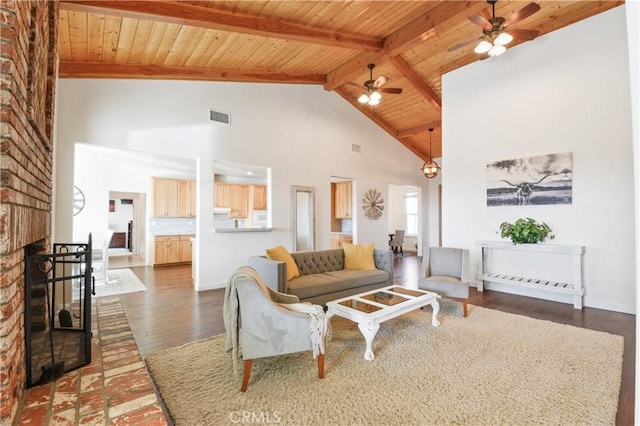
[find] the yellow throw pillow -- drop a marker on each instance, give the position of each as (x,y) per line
(358,256)
(280,253)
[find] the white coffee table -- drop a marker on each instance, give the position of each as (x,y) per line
(371,308)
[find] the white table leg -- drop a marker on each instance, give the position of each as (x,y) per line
(436,308)
(369,331)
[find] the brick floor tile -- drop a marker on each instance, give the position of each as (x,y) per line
(150,415)
(93,419)
(130,395)
(34,415)
(124,347)
(120,355)
(124,369)
(122,362)
(92,401)
(62,400)
(91,382)
(63,418)
(68,382)
(38,395)
(94,367)
(133,380)
(132,405)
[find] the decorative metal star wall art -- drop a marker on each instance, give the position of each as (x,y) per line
(373,204)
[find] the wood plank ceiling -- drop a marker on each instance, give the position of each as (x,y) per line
(327,43)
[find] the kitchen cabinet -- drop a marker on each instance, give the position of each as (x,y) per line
(172,249)
(167,249)
(239,200)
(185,248)
(186,198)
(338,239)
(222,195)
(174,198)
(165,197)
(343,200)
(259,197)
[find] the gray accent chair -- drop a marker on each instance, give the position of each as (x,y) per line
(267,329)
(445,270)
(397,241)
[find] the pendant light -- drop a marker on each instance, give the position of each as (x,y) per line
(430,168)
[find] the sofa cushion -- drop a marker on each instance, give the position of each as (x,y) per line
(306,286)
(358,256)
(282,254)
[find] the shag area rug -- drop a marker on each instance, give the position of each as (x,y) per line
(489,368)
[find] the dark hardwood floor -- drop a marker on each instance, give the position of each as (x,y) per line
(171,313)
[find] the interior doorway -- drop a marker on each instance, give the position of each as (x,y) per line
(404,213)
(127,220)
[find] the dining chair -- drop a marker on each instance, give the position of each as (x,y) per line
(397,241)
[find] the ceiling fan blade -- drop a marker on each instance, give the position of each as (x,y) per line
(480,21)
(392,90)
(521,14)
(464,43)
(380,81)
(524,34)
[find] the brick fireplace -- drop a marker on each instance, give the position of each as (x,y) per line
(28,69)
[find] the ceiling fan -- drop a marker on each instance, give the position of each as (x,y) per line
(496,31)
(372,88)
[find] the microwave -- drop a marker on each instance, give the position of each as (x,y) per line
(260,219)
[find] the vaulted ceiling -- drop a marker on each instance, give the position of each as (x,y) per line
(328,43)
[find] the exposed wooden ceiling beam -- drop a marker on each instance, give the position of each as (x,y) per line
(76,69)
(418,129)
(425,26)
(206,17)
(376,119)
(417,82)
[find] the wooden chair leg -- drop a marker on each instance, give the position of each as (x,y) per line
(321,366)
(247,373)
(464,306)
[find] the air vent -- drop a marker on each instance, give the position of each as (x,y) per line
(220,116)
(355,148)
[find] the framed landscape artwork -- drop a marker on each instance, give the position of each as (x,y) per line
(543,179)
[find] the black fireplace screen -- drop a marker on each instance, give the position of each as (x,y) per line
(58,288)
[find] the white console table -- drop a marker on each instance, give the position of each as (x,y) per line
(547,271)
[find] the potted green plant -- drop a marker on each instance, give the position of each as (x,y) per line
(526,231)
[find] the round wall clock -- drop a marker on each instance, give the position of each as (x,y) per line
(78,200)
(373,204)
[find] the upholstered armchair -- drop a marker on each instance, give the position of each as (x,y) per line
(267,327)
(445,271)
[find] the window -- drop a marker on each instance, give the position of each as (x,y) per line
(411,213)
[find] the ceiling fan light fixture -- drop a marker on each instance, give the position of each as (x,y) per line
(375,95)
(483,47)
(503,39)
(374,101)
(497,50)
(363,99)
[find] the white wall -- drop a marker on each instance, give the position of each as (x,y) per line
(302,132)
(564,92)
